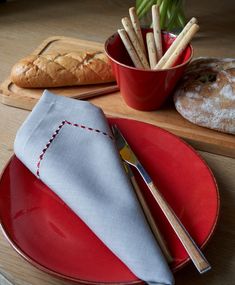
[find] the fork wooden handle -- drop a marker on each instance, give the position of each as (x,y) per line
(192,249)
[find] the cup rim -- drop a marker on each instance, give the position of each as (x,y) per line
(147,70)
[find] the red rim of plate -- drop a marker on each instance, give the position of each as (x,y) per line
(66,277)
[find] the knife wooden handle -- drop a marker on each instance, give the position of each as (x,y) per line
(94,93)
(192,249)
(151,220)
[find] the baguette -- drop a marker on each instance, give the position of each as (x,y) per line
(62,69)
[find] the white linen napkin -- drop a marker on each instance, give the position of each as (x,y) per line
(68,144)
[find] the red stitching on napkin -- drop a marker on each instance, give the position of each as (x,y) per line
(54,135)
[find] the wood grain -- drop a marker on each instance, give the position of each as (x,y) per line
(27,98)
(25,24)
(113,105)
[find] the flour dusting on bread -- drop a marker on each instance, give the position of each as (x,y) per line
(206,95)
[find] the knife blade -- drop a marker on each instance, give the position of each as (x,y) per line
(189,244)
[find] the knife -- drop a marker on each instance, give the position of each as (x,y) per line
(149,217)
(190,246)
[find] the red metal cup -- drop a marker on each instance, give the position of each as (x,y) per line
(141,89)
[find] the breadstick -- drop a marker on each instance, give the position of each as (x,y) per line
(130,49)
(135,42)
(157,30)
(182,45)
(174,45)
(136,25)
(152,53)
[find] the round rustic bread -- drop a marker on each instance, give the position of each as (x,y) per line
(206,95)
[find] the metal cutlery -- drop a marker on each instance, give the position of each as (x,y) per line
(190,246)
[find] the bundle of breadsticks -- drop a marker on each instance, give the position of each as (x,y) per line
(153,58)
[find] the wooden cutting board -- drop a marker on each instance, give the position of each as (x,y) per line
(24,98)
(113,104)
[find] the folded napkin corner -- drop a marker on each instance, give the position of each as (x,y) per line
(68,144)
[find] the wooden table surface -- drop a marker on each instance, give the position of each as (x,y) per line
(24,24)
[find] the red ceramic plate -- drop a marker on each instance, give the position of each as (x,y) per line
(49,235)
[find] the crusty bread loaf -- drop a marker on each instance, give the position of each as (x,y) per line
(62,69)
(206,96)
